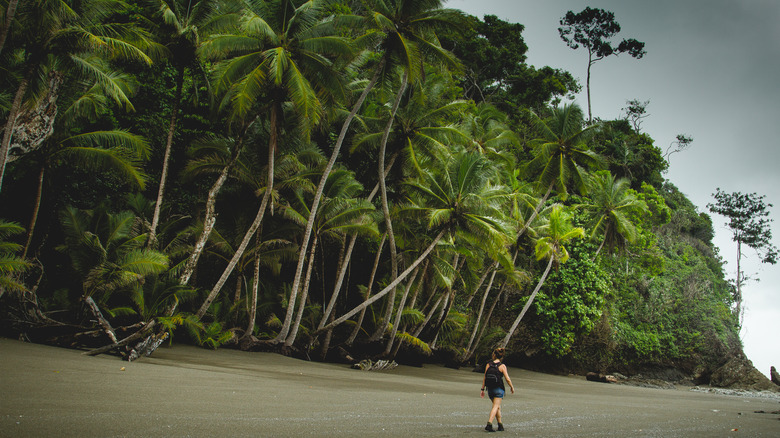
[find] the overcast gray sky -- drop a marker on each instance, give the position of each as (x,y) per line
(711,71)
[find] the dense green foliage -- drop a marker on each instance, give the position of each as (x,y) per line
(466,189)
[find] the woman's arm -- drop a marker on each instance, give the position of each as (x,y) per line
(504,370)
(483,376)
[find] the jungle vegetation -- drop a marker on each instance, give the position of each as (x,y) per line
(376,178)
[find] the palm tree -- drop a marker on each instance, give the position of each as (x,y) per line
(557,231)
(406,32)
(285,55)
(340,213)
(183,23)
(560,153)
(611,206)
(455,198)
(106,251)
(72,145)
(59,45)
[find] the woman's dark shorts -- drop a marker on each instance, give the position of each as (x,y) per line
(495,392)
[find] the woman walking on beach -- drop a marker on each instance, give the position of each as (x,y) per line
(493,379)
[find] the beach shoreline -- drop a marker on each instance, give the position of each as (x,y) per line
(185,391)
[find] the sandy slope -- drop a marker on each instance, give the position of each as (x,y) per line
(186,391)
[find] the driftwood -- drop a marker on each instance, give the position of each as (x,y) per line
(93,307)
(603,378)
(369,365)
(135,336)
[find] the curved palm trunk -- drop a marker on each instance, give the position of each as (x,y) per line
(527,304)
(492,269)
(210,218)
(446,310)
(428,317)
(536,211)
(36,210)
(9,124)
(272,145)
(606,231)
(388,288)
(368,292)
(250,327)
(236,256)
(386,209)
(166,158)
(316,202)
(470,352)
(304,294)
(479,314)
(399,313)
(339,280)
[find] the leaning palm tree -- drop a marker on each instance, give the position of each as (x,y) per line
(180,25)
(560,155)
(405,31)
(59,40)
(454,198)
(611,206)
(340,213)
(285,55)
(557,231)
(75,145)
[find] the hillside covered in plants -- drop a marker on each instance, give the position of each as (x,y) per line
(337,180)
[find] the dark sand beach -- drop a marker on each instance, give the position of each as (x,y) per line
(186,391)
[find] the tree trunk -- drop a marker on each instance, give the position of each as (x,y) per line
(527,304)
(447,306)
(587,82)
(36,210)
(11,122)
(93,307)
(428,317)
(470,352)
(493,268)
(211,217)
(236,256)
(399,313)
(388,288)
(339,280)
(316,202)
(368,291)
(738,298)
(9,18)
(250,328)
(166,158)
(481,310)
(304,294)
(386,209)
(536,211)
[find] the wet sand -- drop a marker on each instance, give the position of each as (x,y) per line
(192,392)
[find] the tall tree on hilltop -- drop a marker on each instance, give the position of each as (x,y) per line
(748,220)
(593,28)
